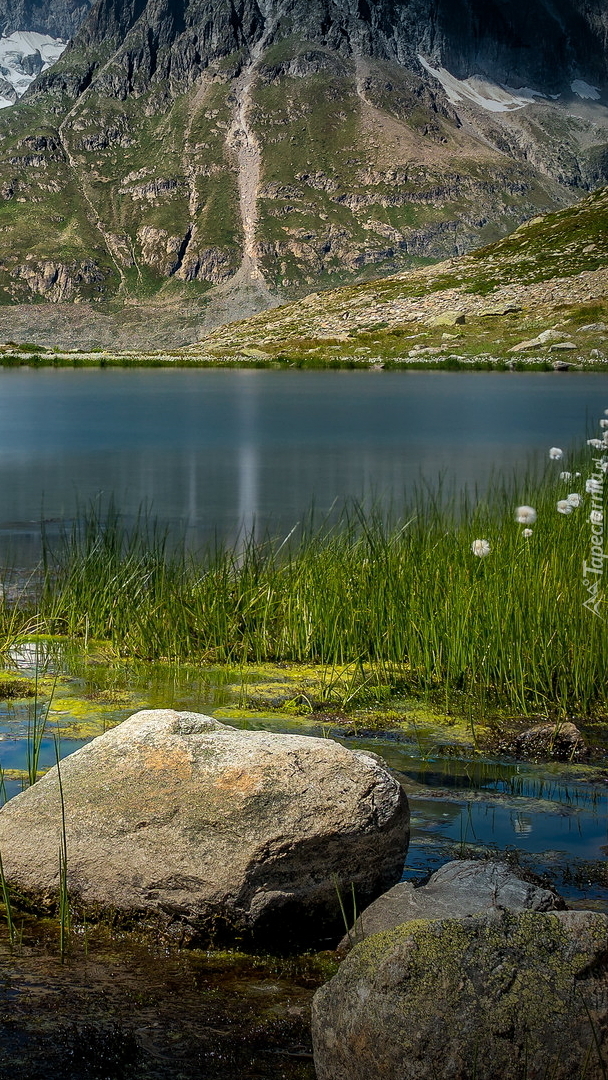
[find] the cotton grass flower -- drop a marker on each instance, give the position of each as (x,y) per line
(525,515)
(565,475)
(597,444)
(604,423)
(527,533)
(574,499)
(481,548)
(564,507)
(555,453)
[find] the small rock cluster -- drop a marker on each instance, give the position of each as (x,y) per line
(476,974)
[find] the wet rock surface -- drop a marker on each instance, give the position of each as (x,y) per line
(560,742)
(501,995)
(210,832)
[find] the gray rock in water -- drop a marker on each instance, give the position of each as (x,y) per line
(214,833)
(560,741)
(458,889)
(495,997)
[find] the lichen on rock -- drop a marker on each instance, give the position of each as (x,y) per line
(500,995)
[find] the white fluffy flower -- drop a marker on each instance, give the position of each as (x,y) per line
(480,548)
(564,507)
(593,486)
(596,517)
(525,515)
(604,423)
(576,475)
(575,499)
(527,532)
(597,444)
(555,453)
(565,475)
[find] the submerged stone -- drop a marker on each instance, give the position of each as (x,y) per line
(494,996)
(212,832)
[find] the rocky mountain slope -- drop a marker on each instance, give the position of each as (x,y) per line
(540,294)
(237,155)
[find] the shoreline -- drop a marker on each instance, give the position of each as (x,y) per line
(453,362)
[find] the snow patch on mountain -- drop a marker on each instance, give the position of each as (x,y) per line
(488,95)
(23,55)
(583,90)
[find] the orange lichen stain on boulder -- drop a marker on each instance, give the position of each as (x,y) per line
(176,763)
(237,780)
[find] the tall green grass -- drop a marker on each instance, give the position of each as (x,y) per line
(407,597)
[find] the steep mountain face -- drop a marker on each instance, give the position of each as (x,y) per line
(23,55)
(243,151)
(56,18)
(32,38)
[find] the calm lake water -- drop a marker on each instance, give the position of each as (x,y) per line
(212,452)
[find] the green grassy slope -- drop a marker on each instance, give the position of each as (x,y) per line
(551,273)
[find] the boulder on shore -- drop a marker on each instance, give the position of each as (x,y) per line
(210,832)
(458,889)
(495,997)
(559,741)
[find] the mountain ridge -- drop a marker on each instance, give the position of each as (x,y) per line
(233,156)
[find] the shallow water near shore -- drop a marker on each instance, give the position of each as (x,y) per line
(123,1007)
(552,817)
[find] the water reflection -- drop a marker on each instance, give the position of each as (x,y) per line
(215,451)
(247,456)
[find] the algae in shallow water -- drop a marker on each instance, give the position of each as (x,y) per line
(16,686)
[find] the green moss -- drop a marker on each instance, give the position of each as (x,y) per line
(505,992)
(12,686)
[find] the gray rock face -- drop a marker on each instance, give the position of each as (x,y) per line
(492,997)
(59,18)
(458,889)
(215,833)
(469,37)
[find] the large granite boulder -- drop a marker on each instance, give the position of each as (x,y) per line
(216,833)
(490,997)
(457,889)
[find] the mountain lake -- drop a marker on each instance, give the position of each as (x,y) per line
(218,453)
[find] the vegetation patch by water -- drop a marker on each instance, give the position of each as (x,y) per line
(406,607)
